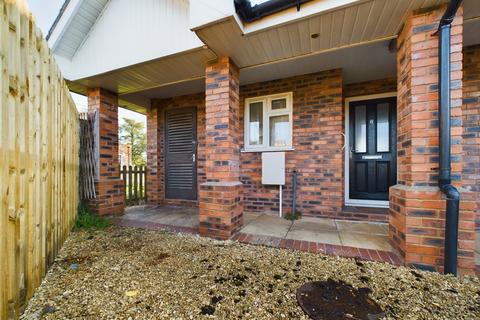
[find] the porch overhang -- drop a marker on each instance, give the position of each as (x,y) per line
(355,36)
(320,26)
(133,83)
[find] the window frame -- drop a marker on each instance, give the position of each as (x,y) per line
(267,113)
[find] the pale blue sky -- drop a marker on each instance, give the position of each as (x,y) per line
(45,12)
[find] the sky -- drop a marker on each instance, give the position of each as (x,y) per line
(45,12)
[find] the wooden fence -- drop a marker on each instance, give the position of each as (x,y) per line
(38,158)
(135,184)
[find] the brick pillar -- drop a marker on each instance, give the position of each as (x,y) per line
(221,208)
(471,124)
(109,187)
(154,154)
(417,207)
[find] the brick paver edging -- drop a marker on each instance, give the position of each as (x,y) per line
(315,247)
(307,246)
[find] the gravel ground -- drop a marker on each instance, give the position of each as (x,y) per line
(126,273)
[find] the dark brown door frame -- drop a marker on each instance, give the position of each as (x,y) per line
(186,154)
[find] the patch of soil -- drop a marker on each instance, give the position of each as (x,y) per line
(207,310)
(325,300)
(158,259)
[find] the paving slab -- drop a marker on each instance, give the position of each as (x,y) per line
(175,216)
(366,241)
(268,226)
(362,227)
(322,236)
(314,224)
(248,217)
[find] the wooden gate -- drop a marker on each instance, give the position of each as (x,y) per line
(135,184)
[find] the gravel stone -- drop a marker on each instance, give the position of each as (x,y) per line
(178,276)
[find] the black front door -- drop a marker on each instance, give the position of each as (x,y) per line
(373,148)
(180,154)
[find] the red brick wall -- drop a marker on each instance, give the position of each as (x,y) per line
(317,102)
(220,197)
(108,186)
(370,87)
(156,132)
(471,123)
(154,183)
(417,207)
(317,140)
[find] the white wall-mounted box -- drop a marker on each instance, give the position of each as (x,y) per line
(273,168)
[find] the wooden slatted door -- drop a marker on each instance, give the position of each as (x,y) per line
(181,148)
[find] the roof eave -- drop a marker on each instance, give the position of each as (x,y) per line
(62,21)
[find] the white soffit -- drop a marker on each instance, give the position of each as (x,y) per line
(165,71)
(360,63)
(73,25)
(363,22)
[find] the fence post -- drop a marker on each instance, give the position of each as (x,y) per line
(135,187)
(124,178)
(145,180)
(140,184)
(130,182)
(135,183)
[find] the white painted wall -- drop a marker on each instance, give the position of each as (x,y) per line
(130,32)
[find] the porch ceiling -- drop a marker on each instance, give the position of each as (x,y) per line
(359,63)
(166,71)
(360,23)
(354,38)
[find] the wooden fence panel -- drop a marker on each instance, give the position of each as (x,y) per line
(38,158)
(134,184)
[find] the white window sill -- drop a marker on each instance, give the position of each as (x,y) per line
(268,149)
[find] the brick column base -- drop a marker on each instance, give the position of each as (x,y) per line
(109,188)
(110,197)
(221,209)
(417,227)
(221,198)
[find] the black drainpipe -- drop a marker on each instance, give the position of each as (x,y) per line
(444,178)
(248,13)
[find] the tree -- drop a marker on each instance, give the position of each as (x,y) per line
(133,132)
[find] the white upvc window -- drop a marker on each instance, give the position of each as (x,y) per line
(268,122)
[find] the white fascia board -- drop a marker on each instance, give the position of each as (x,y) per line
(308,9)
(208,12)
(63,23)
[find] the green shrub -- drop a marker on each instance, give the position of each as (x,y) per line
(293,215)
(88,220)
